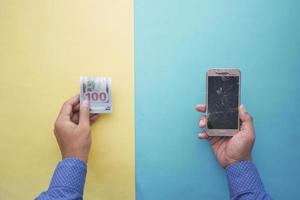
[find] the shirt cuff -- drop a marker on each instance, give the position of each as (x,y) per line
(243,177)
(69,173)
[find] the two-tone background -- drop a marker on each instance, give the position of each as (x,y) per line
(157,53)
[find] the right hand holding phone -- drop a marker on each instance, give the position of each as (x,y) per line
(229,150)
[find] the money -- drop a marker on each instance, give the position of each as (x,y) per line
(97,90)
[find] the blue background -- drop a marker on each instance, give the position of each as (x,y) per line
(175,43)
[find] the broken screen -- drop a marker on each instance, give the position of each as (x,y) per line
(223,101)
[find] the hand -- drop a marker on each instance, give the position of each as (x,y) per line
(72,129)
(229,150)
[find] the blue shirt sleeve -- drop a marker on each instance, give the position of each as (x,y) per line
(67,181)
(244,182)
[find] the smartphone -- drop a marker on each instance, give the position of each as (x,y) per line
(222,101)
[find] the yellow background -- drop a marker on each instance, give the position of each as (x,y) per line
(45,46)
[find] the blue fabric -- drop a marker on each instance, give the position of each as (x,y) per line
(244,182)
(67,182)
(69,178)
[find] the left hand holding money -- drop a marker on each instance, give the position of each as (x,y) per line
(72,129)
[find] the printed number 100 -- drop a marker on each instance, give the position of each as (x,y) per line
(94,96)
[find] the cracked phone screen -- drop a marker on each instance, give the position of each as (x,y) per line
(223,100)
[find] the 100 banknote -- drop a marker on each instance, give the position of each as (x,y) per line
(98,91)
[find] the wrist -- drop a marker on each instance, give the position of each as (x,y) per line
(73,160)
(233,161)
(83,158)
(238,163)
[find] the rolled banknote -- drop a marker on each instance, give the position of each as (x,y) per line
(97,90)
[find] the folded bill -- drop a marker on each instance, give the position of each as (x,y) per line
(97,90)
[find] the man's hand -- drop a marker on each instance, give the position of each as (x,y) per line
(229,150)
(72,129)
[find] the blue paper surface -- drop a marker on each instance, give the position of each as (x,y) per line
(176,42)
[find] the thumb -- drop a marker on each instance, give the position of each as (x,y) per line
(245,117)
(84,113)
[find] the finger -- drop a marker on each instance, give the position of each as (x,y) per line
(203,136)
(75,118)
(94,117)
(76,107)
(84,114)
(203,122)
(200,108)
(67,108)
(215,139)
(245,117)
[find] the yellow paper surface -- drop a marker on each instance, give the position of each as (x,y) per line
(45,46)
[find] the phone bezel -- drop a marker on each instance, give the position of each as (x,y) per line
(222,72)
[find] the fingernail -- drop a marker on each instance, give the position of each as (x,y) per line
(86,103)
(243,107)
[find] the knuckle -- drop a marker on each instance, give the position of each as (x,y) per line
(252,137)
(57,126)
(251,118)
(65,103)
(55,132)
